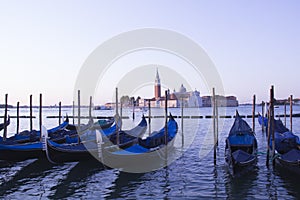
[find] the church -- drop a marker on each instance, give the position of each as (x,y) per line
(190,99)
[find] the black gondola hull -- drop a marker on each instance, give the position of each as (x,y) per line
(21,152)
(61,155)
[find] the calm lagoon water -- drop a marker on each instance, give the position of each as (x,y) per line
(192,176)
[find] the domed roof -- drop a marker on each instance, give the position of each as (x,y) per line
(182,89)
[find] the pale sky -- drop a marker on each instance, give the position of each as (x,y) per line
(43,44)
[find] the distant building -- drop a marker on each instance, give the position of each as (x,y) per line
(229,101)
(110,105)
(297,101)
(8,106)
(157,87)
(189,99)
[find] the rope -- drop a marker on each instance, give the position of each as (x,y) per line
(276,156)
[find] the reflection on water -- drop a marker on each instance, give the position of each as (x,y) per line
(125,184)
(76,178)
(22,174)
(239,187)
(289,181)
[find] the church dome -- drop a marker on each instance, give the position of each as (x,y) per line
(182,89)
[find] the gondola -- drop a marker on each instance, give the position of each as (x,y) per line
(263,121)
(3,125)
(90,146)
(31,136)
(148,154)
(25,145)
(285,140)
(241,146)
(87,131)
(127,138)
(287,146)
(29,144)
(101,123)
(290,161)
(67,134)
(279,127)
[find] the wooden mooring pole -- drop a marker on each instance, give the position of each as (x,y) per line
(121,109)
(40,117)
(149,116)
(268,138)
(166,127)
(30,111)
(285,113)
(90,107)
(59,113)
(73,112)
(117,116)
(214,125)
(263,115)
(182,135)
(117,102)
(18,116)
(78,119)
(270,126)
(291,113)
(166,117)
(133,106)
(217,121)
(253,113)
(5,118)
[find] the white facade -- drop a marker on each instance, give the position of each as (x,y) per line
(190,99)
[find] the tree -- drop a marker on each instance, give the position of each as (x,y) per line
(125,100)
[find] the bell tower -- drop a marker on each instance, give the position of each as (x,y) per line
(157,89)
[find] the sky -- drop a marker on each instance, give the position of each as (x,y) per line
(43,44)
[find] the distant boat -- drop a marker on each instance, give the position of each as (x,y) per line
(140,109)
(148,154)
(241,146)
(102,108)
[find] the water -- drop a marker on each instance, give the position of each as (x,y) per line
(192,176)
